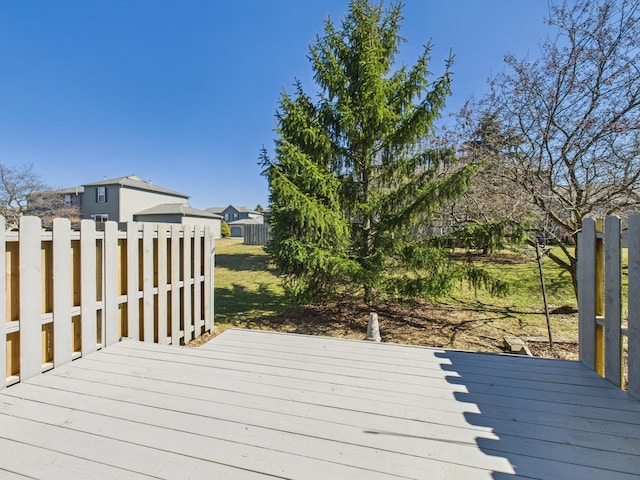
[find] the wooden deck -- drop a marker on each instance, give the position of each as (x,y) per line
(258,405)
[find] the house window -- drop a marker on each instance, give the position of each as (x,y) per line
(101,217)
(101,194)
(226,216)
(235,216)
(67,200)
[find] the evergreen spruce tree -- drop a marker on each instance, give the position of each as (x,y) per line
(352,180)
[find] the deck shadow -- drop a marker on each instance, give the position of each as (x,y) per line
(549,418)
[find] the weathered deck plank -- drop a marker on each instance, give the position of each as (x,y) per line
(257,405)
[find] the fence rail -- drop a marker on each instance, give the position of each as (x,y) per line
(603,325)
(69,293)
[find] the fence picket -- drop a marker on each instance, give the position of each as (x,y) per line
(162,284)
(62,333)
(186,290)
(175,285)
(133,309)
(88,286)
(111,333)
(147,281)
(3,305)
(587,291)
(613,300)
(633,246)
(197,281)
(208,279)
(30,298)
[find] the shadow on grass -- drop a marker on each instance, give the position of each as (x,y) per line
(482,307)
(263,308)
(557,285)
(239,300)
(243,262)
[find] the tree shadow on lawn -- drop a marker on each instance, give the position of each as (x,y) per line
(239,300)
(498,258)
(557,285)
(419,323)
(240,262)
(263,309)
(482,307)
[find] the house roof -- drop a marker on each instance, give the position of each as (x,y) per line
(246,221)
(177,209)
(244,209)
(71,190)
(216,209)
(132,181)
(237,208)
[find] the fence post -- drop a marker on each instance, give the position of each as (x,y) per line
(633,334)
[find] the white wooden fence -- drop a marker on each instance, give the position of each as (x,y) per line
(602,323)
(69,293)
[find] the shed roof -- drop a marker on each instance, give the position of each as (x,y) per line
(177,209)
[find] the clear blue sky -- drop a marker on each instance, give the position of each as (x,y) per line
(183,92)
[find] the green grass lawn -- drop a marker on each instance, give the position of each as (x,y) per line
(248,294)
(521,312)
(245,286)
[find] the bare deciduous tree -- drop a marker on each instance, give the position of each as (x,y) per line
(491,211)
(22,192)
(577,113)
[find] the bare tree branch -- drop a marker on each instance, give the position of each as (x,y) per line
(577,112)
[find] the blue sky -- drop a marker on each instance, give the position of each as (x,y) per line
(183,92)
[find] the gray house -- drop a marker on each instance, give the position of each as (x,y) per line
(237,217)
(130,198)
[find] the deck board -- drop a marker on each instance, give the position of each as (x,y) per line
(255,404)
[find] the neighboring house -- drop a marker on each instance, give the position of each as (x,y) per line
(119,199)
(237,217)
(130,198)
(72,196)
